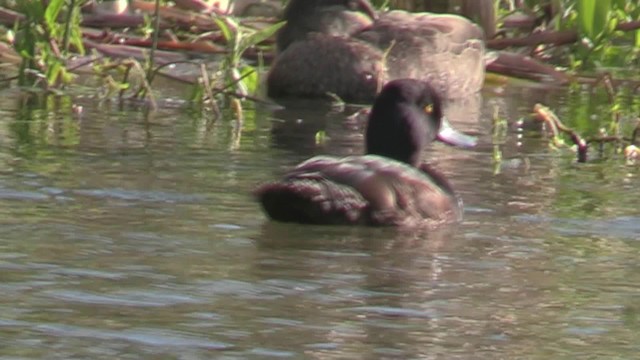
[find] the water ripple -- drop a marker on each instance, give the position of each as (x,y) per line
(9,194)
(89,273)
(139,195)
(132,299)
(152,337)
(393,312)
(627,227)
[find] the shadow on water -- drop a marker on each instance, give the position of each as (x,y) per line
(130,235)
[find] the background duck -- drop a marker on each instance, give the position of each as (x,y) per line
(329,17)
(344,47)
(389,185)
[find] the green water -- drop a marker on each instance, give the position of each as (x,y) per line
(132,235)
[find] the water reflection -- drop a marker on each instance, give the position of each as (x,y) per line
(125,235)
(387,282)
(307,125)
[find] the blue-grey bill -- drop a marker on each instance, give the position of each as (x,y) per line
(451,136)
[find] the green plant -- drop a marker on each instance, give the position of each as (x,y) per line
(239,38)
(43,42)
(605,42)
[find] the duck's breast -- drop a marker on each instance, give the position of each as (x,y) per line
(346,67)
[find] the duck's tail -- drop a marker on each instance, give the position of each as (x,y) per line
(313,200)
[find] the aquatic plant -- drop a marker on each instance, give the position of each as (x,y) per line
(616,125)
(609,31)
(596,34)
(240,38)
(234,78)
(44,43)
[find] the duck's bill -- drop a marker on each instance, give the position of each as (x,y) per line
(451,136)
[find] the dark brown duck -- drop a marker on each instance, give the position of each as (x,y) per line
(344,47)
(389,185)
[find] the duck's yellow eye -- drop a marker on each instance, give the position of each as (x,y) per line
(428,109)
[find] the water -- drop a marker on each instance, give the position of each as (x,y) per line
(126,236)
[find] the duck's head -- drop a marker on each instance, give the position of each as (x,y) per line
(331,17)
(296,8)
(406,116)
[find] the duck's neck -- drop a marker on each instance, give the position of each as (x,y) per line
(397,132)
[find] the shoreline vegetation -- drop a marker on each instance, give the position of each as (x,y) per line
(221,48)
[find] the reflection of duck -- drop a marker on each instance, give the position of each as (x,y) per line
(389,185)
(308,127)
(344,47)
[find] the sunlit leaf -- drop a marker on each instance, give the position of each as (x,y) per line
(250,78)
(260,36)
(53,72)
(586,10)
(52,12)
(593,16)
(224,28)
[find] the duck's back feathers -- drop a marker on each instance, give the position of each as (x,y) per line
(455,28)
(329,17)
(344,47)
(445,50)
(324,64)
(368,190)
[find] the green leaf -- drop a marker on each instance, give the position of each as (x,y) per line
(250,78)
(53,72)
(52,12)
(593,16)
(260,36)
(32,9)
(601,16)
(586,9)
(224,28)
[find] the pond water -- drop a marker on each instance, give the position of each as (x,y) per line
(126,234)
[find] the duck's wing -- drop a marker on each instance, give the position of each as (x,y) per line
(316,192)
(369,190)
(418,195)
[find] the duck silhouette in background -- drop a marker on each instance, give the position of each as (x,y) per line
(346,48)
(387,186)
(329,17)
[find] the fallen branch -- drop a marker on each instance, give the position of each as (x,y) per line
(556,126)
(114,20)
(140,54)
(628,26)
(185,19)
(545,37)
(523,66)
(10,17)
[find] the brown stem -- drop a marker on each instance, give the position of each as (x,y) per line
(524,66)
(628,26)
(545,114)
(545,37)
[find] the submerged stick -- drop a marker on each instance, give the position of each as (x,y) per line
(547,116)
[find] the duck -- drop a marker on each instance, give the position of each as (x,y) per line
(348,49)
(389,185)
